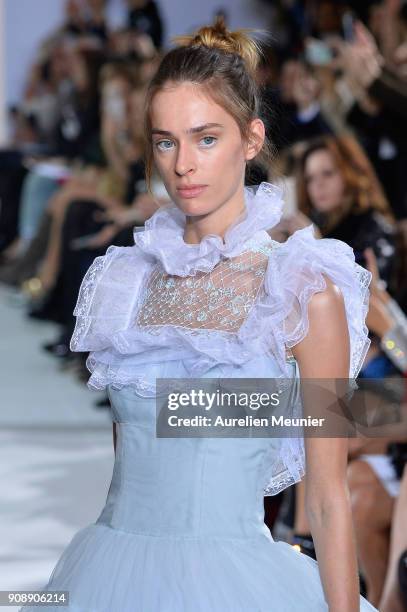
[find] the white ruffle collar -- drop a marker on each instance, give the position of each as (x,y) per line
(162,235)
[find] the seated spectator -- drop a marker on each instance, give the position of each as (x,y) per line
(300,99)
(394,594)
(339,192)
(144,17)
(378,114)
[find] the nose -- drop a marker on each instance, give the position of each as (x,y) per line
(185,162)
(318,182)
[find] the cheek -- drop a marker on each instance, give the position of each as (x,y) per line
(311,188)
(338,186)
(223,158)
(163,162)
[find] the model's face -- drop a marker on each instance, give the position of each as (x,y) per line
(198,148)
(325,184)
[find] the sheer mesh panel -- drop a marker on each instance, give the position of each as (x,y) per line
(216,300)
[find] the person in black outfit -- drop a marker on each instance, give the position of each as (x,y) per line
(77,133)
(144,17)
(338,190)
(378,114)
(82,219)
(294,104)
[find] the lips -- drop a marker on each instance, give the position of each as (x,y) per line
(192,191)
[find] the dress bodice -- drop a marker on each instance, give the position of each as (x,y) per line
(231,307)
(190,487)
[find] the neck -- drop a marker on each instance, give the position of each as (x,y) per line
(217,221)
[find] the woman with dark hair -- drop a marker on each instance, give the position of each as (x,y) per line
(339,191)
(206,293)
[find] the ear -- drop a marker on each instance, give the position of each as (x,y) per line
(257,134)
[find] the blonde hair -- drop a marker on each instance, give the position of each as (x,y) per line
(219,37)
(222,61)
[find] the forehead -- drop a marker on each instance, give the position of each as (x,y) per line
(180,106)
(319,158)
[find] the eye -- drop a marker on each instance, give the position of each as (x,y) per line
(208,141)
(163,145)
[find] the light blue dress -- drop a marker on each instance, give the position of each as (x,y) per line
(183,527)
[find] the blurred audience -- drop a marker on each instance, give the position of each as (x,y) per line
(334,82)
(338,191)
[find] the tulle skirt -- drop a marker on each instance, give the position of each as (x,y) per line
(108,570)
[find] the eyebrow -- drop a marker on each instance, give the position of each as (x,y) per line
(194,130)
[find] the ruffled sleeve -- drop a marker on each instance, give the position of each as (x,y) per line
(296,272)
(106,298)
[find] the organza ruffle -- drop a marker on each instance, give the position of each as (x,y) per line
(112,291)
(163,238)
(336,260)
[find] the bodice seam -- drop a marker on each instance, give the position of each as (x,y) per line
(166,535)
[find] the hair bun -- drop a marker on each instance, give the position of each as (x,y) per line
(217,36)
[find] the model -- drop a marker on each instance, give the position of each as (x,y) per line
(205,292)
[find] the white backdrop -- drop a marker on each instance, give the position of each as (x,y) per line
(26,22)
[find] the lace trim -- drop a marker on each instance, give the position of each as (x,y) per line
(85,298)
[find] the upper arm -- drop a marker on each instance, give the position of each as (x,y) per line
(324,353)
(325,350)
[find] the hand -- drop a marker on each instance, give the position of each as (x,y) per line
(294,222)
(145,205)
(400,60)
(119,216)
(378,318)
(376,286)
(144,46)
(360,60)
(140,210)
(102,238)
(400,54)
(364,37)
(299,221)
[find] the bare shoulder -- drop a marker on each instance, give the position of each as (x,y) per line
(327,302)
(324,350)
(326,310)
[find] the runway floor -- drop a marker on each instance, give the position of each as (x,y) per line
(56,452)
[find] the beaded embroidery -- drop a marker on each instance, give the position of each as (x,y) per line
(217,300)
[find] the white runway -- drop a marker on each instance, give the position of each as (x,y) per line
(56,452)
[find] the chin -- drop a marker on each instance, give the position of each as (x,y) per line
(192,210)
(325,207)
(193,207)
